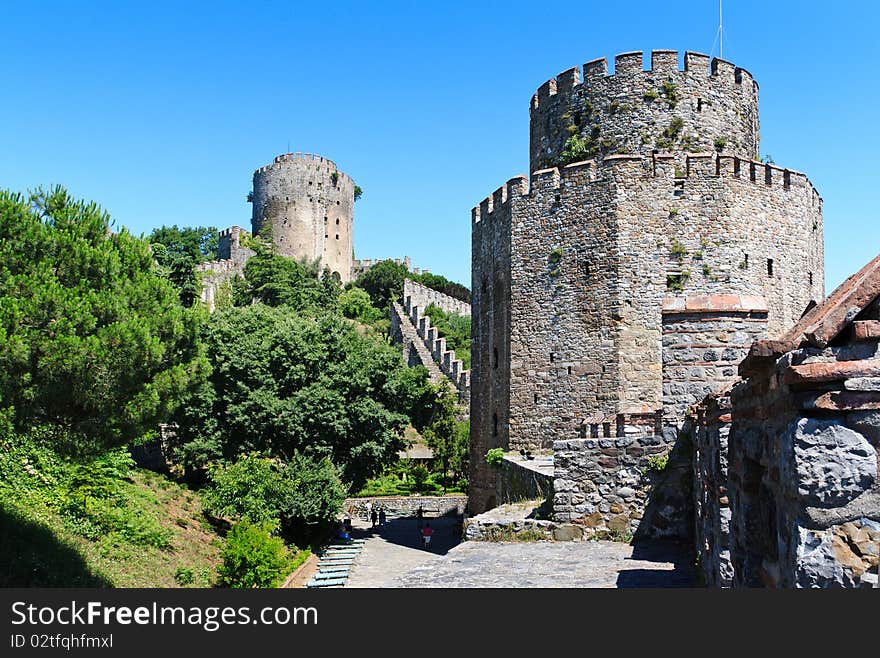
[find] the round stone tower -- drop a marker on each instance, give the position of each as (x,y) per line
(307,205)
(707,107)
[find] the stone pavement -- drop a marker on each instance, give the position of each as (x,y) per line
(392,557)
(395,548)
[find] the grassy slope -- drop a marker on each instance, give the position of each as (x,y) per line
(40,550)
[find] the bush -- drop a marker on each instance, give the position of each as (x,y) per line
(184,576)
(495,456)
(252,557)
(263,490)
(355,304)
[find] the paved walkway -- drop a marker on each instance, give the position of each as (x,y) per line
(392,557)
(396,547)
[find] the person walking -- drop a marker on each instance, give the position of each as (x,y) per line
(427,533)
(373,517)
(382,517)
(420,515)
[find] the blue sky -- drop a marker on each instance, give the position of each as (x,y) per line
(161,111)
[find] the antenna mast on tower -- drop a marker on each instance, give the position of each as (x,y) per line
(720,32)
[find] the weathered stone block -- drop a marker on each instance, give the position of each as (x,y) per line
(833,463)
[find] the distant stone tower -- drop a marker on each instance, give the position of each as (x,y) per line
(627,278)
(309,206)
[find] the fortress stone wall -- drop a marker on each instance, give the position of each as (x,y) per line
(571,270)
(419,295)
(232,258)
(633,110)
(308,205)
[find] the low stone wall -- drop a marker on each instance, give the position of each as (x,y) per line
(604,483)
(432,506)
(485,528)
(524,480)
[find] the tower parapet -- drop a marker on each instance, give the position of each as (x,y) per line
(308,206)
(709,105)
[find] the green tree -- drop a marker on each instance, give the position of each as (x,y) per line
(284,382)
(383,282)
(92,340)
(446,435)
(276,280)
(355,303)
(252,489)
(197,244)
(252,557)
(266,490)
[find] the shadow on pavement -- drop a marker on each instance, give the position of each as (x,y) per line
(404,531)
(679,554)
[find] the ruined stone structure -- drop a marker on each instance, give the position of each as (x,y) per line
(232,256)
(307,205)
(646,215)
(803,447)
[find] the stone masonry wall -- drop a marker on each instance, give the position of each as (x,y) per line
(432,506)
(704,340)
(449,364)
(571,274)
(490,338)
(803,480)
(524,480)
(711,422)
(592,251)
(604,483)
(419,295)
(633,111)
(309,206)
(232,258)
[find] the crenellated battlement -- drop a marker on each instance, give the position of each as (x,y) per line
(303,159)
(663,62)
(705,105)
(500,198)
(629,167)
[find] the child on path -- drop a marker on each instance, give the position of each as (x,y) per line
(427,532)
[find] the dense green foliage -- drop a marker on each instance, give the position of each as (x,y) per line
(286,397)
(275,280)
(265,490)
(456,329)
(198,244)
(355,304)
(252,557)
(98,522)
(448,436)
(407,479)
(90,496)
(178,250)
(384,283)
(283,382)
(93,343)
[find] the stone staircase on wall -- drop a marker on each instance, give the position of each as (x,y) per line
(412,327)
(414,350)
